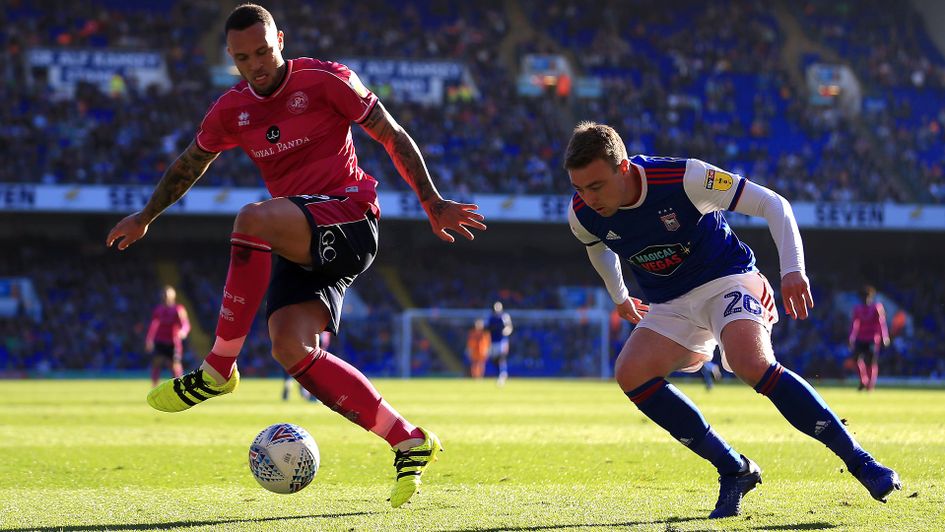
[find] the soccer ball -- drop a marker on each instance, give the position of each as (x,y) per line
(284,458)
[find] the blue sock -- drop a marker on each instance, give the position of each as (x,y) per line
(673,411)
(706,372)
(803,407)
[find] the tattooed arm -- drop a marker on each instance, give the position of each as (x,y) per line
(443,214)
(178,179)
(382,127)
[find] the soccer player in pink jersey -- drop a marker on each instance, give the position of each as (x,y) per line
(868,333)
(307,244)
(165,339)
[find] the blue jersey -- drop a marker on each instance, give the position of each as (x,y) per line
(675,237)
(496,325)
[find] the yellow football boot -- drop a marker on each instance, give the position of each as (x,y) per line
(188,390)
(410,465)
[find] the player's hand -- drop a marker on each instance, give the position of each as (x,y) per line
(149,347)
(795,294)
(446,214)
(886,342)
(632,310)
(126,232)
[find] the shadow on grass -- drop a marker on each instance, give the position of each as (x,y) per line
(626,524)
(798,526)
(175,524)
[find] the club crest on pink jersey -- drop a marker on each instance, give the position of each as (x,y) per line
(298,102)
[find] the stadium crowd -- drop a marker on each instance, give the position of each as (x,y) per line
(710,82)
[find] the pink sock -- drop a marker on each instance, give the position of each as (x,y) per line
(246,284)
(155,375)
(347,391)
(864,375)
(222,365)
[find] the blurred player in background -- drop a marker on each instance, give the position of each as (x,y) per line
(711,374)
(868,335)
(293,119)
(166,334)
(500,328)
(663,216)
(477,348)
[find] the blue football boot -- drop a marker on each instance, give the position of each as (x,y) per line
(733,487)
(878,479)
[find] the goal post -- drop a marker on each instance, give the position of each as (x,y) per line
(552,343)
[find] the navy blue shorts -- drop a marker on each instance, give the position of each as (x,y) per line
(344,243)
(167,350)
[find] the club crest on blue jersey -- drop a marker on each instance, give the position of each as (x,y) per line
(669,219)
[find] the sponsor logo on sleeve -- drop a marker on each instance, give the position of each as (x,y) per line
(718,180)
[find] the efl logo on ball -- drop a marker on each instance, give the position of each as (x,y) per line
(284,458)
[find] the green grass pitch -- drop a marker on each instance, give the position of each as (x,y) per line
(535,455)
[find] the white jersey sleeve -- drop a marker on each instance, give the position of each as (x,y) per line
(757,200)
(709,187)
(604,260)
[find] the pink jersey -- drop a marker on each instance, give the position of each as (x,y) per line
(300,135)
(167,324)
(869,324)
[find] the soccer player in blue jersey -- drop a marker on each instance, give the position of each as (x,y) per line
(500,328)
(662,216)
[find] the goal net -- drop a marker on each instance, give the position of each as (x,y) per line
(544,343)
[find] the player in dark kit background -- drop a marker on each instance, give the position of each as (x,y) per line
(868,335)
(307,244)
(500,328)
(662,215)
(166,333)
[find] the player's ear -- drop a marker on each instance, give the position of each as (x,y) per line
(624,166)
(281,37)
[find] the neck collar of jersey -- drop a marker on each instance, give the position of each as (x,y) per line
(642,188)
(282,85)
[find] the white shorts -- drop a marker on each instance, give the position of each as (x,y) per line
(500,348)
(695,319)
